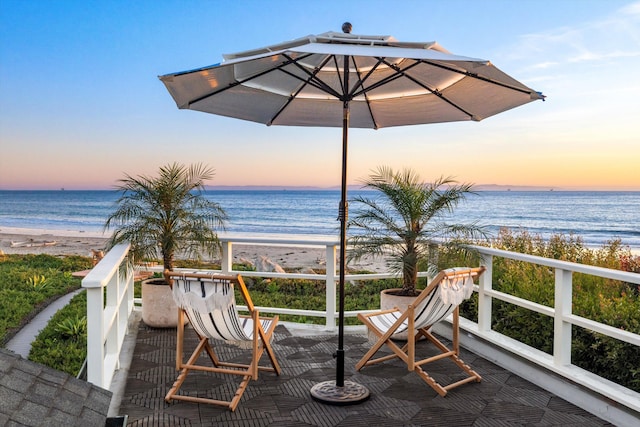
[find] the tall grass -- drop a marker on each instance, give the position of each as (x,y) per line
(603,300)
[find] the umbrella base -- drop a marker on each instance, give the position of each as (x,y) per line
(328,392)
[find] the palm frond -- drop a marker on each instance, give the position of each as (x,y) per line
(406,218)
(167,214)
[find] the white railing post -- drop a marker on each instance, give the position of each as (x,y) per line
(130,295)
(485,285)
(95,332)
(226,263)
(330,285)
(123,305)
(111,309)
(561,328)
(107,321)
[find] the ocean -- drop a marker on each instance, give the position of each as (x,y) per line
(595,216)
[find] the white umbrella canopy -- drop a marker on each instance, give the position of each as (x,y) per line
(391,83)
(346,80)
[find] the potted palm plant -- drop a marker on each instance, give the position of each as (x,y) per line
(405,223)
(167,215)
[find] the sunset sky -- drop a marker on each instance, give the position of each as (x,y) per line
(81,104)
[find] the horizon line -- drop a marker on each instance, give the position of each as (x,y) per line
(253,187)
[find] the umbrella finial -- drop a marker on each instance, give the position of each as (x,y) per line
(346,27)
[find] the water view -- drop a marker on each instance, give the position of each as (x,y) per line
(597,217)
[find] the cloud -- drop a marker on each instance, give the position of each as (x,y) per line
(544,65)
(590,56)
(612,37)
(631,9)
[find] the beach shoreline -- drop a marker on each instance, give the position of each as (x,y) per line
(52,242)
(69,242)
(74,242)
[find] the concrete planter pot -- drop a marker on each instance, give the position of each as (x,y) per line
(158,308)
(389,301)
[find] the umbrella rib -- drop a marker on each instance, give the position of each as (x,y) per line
(386,80)
(315,83)
(284,106)
(377,84)
(475,76)
(314,80)
(436,92)
(294,95)
(341,80)
(239,82)
(361,80)
(360,84)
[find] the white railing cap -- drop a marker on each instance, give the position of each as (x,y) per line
(99,275)
(608,273)
(279,239)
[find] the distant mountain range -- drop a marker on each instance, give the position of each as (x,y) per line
(481,187)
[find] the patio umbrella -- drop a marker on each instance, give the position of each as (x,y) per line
(347,80)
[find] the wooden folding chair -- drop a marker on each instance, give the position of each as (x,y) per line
(208,301)
(439,299)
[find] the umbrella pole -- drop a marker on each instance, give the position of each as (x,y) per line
(343,215)
(339,392)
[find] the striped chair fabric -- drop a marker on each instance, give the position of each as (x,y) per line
(439,299)
(208,301)
(436,306)
(210,304)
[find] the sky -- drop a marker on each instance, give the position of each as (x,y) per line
(81,104)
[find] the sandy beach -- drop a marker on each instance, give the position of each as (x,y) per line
(30,241)
(25,241)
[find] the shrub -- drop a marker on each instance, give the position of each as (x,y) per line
(38,282)
(29,282)
(62,344)
(310,295)
(72,328)
(607,301)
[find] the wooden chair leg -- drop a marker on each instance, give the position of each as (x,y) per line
(256,356)
(207,328)
(184,370)
(411,339)
(430,381)
(453,355)
(266,342)
(180,339)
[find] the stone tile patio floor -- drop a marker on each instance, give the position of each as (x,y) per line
(398,397)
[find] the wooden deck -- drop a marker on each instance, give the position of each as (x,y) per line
(398,397)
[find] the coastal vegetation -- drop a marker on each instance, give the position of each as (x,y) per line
(62,344)
(28,283)
(405,218)
(610,302)
(167,214)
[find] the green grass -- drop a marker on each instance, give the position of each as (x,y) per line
(28,283)
(311,295)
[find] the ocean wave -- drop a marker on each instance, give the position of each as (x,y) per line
(597,217)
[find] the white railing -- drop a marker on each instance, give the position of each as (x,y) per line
(563,318)
(559,362)
(107,313)
(330,278)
